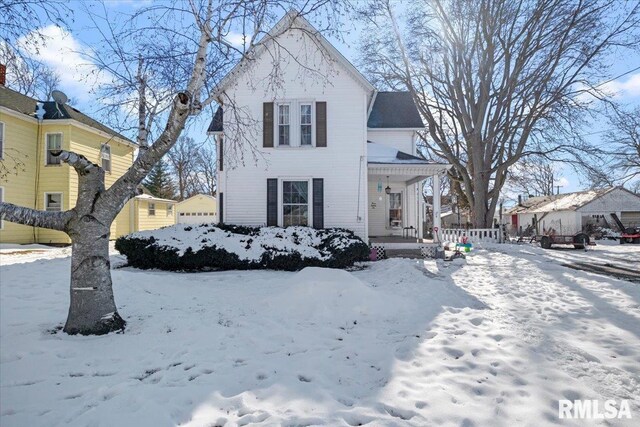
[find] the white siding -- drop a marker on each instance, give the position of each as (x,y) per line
(341,164)
(403,140)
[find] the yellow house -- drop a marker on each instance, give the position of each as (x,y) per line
(31,176)
(197,209)
(153,212)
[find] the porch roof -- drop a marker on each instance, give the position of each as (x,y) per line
(385,160)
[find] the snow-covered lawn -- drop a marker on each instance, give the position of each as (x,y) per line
(493,342)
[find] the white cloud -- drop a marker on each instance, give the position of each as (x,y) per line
(64,54)
(237,39)
(624,88)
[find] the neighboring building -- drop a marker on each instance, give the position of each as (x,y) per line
(29,132)
(152,212)
(340,154)
(572,212)
(197,209)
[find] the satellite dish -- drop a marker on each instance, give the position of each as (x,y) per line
(59,97)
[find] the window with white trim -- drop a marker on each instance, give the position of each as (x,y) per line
(284,124)
(105,156)
(54,144)
(306,125)
(169,210)
(1,140)
(295,203)
(152,209)
(53,202)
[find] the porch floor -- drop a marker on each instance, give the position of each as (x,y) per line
(398,242)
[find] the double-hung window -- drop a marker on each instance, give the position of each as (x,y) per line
(284,124)
(105,156)
(1,140)
(295,203)
(53,202)
(152,209)
(306,125)
(295,123)
(169,210)
(54,145)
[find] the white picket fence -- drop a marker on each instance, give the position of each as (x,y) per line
(474,234)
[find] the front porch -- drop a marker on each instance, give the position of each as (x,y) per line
(396,207)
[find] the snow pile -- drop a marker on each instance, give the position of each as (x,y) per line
(207,246)
(330,296)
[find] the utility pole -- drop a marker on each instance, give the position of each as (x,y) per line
(558,188)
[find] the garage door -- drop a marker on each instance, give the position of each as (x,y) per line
(630,219)
(196,217)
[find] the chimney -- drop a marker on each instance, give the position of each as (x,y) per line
(519,199)
(3,75)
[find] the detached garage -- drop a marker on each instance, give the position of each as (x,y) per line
(574,212)
(198,209)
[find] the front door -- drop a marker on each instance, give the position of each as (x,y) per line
(395,211)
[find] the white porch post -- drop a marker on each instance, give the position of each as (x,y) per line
(436,207)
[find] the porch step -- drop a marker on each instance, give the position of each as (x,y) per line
(404,253)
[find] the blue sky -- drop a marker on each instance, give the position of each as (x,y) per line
(62,54)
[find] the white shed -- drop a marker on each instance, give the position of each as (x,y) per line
(572,212)
(197,209)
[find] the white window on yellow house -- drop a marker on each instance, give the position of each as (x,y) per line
(1,200)
(53,202)
(152,209)
(54,144)
(105,156)
(169,210)
(1,140)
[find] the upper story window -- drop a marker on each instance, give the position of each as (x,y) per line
(284,124)
(306,124)
(295,122)
(1,140)
(105,155)
(54,145)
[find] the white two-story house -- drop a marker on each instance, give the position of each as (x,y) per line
(304,139)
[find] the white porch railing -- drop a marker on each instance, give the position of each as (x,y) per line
(474,234)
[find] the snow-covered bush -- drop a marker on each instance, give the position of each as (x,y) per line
(229,247)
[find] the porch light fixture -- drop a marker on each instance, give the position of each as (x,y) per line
(387,188)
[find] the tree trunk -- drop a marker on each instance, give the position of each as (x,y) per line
(480,203)
(92,310)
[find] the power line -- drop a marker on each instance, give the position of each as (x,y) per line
(617,77)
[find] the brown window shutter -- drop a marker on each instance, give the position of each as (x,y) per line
(321,124)
(267,119)
(318,203)
(272,202)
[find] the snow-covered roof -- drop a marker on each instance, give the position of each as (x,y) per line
(379,153)
(559,202)
(154,199)
(198,195)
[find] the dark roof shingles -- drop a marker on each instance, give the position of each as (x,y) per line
(394,110)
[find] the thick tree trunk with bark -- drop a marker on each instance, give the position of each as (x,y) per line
(92,309)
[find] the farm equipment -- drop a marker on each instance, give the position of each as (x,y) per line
(579,240)
(628,234)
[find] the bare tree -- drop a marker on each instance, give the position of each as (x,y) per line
(184,159)
(21,22)
(497,80)
(199,30)
(533,175)
(206,169)
(622,146)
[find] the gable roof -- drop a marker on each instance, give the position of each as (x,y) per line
(285,23)
(394,110)
(27,105)
(563,202)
